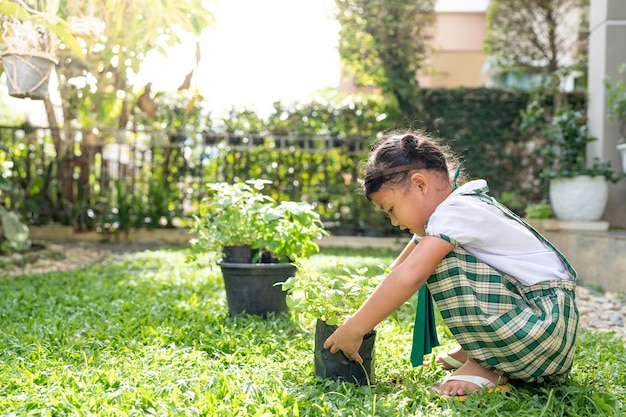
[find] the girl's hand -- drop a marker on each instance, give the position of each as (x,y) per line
(347,341)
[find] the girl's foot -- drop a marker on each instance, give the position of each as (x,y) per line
(454,359)
(463,386)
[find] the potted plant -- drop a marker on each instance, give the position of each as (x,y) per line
(28,47)
(616,91)
(325,300)
(255,240)
(578,191)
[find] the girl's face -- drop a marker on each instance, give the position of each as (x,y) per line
(409,206)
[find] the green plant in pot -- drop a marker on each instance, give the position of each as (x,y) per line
(578,190)
(255,240)
(325,300)
(28,46)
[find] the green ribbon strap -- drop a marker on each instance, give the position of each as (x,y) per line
(425,329)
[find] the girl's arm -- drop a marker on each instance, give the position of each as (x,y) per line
(403,281)
(403,255)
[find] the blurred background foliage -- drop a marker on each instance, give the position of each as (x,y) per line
(154,176)
(119,155)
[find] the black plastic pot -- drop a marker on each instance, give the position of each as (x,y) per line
(251,288)
(337,366)
(237,254)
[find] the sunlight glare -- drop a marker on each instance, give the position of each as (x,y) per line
(256,53)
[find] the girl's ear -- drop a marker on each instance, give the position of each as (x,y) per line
(419,180)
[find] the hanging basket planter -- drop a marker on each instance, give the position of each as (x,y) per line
(27,75)
(87,26)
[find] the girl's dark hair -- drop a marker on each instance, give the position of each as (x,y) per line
(394,151)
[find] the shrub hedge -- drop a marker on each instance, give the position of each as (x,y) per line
(310,151)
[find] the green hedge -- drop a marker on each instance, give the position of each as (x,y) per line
(482,126)
(163,180)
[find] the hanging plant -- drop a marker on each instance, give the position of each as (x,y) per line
(30,39)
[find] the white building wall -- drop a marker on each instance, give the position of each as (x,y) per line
(607,51)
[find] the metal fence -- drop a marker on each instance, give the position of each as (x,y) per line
(116,180)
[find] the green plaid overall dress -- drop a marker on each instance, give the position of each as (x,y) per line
(523,332)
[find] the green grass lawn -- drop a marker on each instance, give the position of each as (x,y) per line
(149,334)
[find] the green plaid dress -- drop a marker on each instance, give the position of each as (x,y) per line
(523,332)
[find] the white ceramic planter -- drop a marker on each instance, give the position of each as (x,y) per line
(581,198)
(622,148)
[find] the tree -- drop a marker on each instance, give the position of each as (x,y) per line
(383,43)
(536,36)
(96,90)
(117,35)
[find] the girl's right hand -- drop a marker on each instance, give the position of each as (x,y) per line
(348,343)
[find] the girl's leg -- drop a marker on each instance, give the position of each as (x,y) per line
(524,332)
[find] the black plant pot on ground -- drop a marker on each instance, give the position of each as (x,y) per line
(337,366)
(251,288)
(237,254)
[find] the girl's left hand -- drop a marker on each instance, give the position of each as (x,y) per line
(345,340)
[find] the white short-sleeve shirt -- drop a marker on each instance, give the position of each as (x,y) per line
(490,235)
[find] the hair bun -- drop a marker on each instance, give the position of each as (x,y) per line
(408,140)
(409,144)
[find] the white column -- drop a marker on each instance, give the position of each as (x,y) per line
(607,51)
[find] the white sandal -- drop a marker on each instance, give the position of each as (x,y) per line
(479,381)
(450,361)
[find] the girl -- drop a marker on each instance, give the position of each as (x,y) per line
(504,291)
